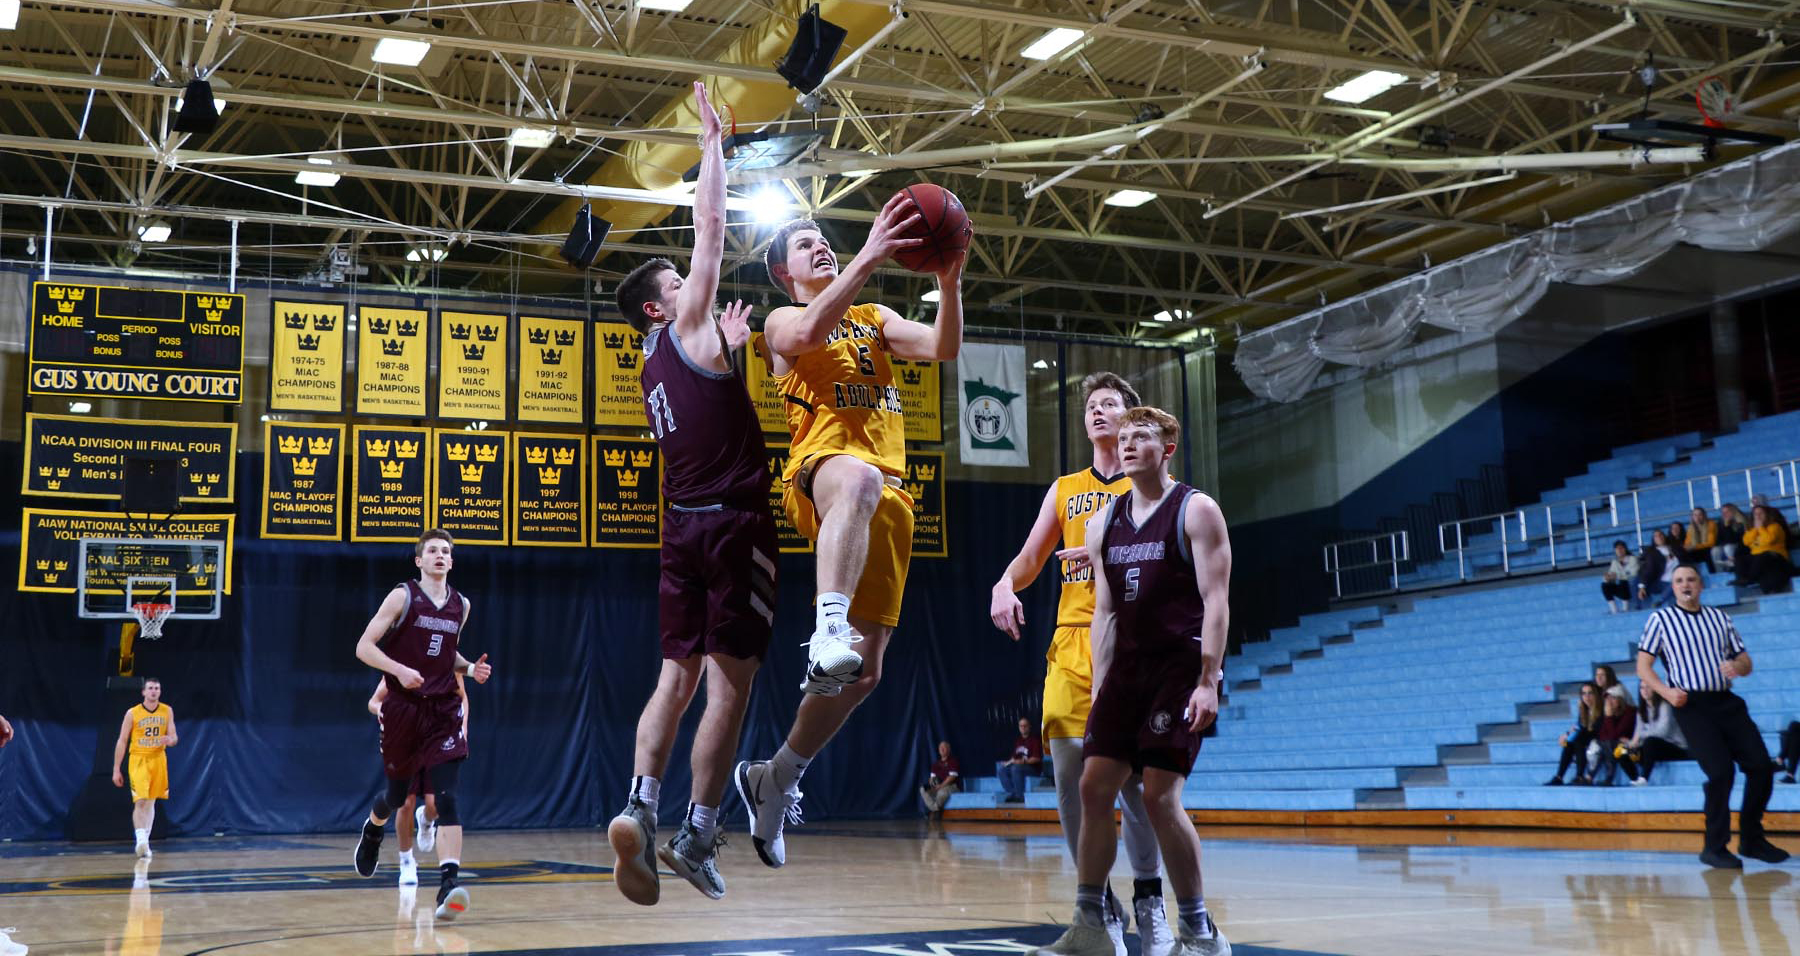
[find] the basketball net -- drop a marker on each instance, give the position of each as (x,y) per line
(150,616)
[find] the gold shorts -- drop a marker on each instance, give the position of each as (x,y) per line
(149,776)
(1068,684)
(883,581)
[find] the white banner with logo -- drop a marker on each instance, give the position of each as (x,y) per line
(990,396)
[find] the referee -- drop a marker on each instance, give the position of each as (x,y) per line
(1702,653)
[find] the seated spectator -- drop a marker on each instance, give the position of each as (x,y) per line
(1702,537)
(1790,751)
(1615,587)
(1027,760)
(1766,565)
(1605,678)
(1675,535)
(1618,722)
(945,779)
(1658,737)
(1575,741)
(1656,573)
(1730,545)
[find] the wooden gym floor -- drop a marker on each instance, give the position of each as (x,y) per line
(905,889)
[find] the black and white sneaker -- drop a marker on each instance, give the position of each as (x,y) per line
(695,858)
(452,900)
(770,810)
(830,663)
(368,849)
(633,837)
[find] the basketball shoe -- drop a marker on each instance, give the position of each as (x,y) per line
(452,900)
(695,858)
(830,663)
(10,946)
(770,810)
(1154,935)
(633,837)
(368,849)
(143,848)
(409,873)
(1113,915)
(1213,945)
(424,831)
(1082,938)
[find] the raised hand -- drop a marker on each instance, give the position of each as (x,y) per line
(734,322)
(481,670)
(709,117)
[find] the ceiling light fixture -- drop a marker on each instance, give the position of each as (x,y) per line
(1129,198)
(396,51)
(1050,44)
(770,205)
(317,177)
(931,296)
(1178,315)
(154,231)
(671,6)
(9,14)
(426,254)
(1367,86)
(531,138)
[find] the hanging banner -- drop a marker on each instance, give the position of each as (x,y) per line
(303,481)
(112,342)
(549,502)
(551,374)
(764,393)
(990,401)
(390,363)
(389,482)
(618,355)
(470,499)
(306,356)
(628,503)
(472,366)
(924,483)
(792,541)
(74,456)
(50,542)
(921,397)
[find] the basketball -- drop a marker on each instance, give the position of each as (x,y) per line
(942,224)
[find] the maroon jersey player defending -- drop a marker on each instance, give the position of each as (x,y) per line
(716,600)
(1158,637)
(412,640)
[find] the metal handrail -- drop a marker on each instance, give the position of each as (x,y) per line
(1514,523)
(1399,548)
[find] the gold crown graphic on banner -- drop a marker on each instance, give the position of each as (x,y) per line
(323,323)
(43,471)
(539,336)
(320,445)
(912,376)
(487,453)
(915,490)
(563,456)
(306,343)
(65,307)
(56,292)
(614,457)
(474,353)
(43,565)
(565,337)
(295,320)
(378,326)
(393,469)
(214,315)
(306,467)
(642,459)
(628,478)
(549,476)
(377,447)
(289,444)
(204,491)
(206,302)
(552,356)
(626,360)
(471,472)
(613,340)
(456,452)
(53,484)
(536,455)
(925,472)
(61,565)
(393,347)
(62,472)
(407,448)
(487,333)
(460,332)
(407,327)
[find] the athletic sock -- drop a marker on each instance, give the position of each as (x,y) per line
(788,767)
(1146,888)
(1089,903)
(143,836)
(833,609)
(1194,921)
(406,857)
(447,871)
(703,819)
(647,791)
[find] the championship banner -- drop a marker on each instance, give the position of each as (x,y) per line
(921,398)
(74,456)
(470,502)
(306,356)
(550,370)
(548,485)
(628,503)
(790,539)
(389,481)
(390,364)
(471,367)
(303,482)
(50,542)
(765,395)
(924,482)
(111,342)
(618,353)
(990,401)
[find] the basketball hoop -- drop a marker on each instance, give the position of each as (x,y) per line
(150,616)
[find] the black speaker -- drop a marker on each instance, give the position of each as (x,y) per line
(197,114)
(583,244)
(816,44)
(151,487)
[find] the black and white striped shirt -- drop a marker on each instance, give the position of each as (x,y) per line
(1692,645)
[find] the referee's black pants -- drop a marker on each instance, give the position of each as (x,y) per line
(1719,732)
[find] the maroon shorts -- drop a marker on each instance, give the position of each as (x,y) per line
(1140,715)
(717,594)
(418,733)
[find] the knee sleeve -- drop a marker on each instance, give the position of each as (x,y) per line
(394,797)
(446,808)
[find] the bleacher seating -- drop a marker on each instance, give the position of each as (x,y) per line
(1454,702)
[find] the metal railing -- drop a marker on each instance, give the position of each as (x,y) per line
(1607,514)
(1398,549)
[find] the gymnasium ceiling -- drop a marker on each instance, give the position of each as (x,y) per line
(1217,108)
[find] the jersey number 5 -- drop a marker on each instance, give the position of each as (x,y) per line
(864,364)
(662,417)
(1131,583)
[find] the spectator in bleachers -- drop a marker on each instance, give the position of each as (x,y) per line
(1675,536)
(1575,741)
(1656,569)
(1618,722)
(945,779)
(1774,512)
(1657,740)
(1702,536)
(1790,750)
(1766,565)
(1730,545)
(1026,760)
(1615,588)
(1605,678)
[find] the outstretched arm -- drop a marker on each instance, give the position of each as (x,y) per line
(1004,607)
(694,303)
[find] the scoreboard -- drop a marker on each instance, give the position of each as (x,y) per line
(95,341)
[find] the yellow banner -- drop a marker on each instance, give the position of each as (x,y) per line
(471,366)
(925,484)
(764,393)
(391,362)
(921,399)
(791,541)
(306,356)
(618,356)
(549,490)
(550,370)
(628,503)
(303,481)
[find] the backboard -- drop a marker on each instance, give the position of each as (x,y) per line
(119,572)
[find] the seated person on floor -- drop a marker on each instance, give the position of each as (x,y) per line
(1026,760)
(945,779)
